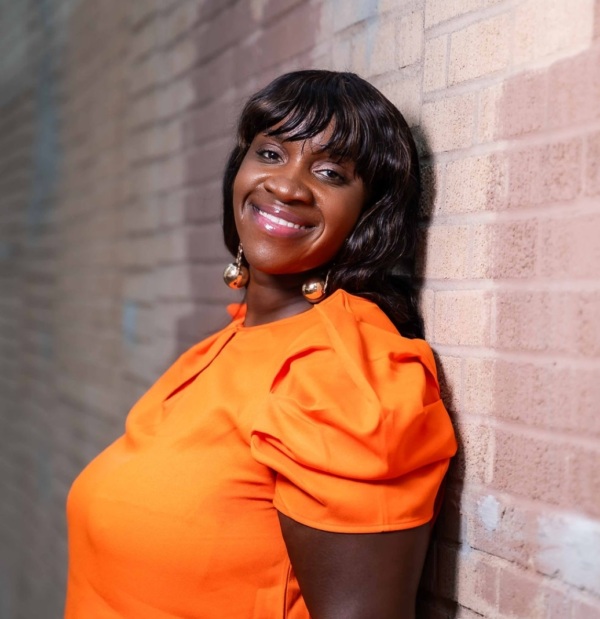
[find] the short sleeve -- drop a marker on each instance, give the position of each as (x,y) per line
(356,433)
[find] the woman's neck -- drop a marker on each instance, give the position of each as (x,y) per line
(273,297)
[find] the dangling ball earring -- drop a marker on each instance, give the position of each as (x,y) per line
(315,289)
(236,274)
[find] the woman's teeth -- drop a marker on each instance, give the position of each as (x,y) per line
(279,221)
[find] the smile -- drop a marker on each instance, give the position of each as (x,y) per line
(278,226)
(279,221)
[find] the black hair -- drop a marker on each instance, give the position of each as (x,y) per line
(377,258)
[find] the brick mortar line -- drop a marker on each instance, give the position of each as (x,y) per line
(489,285)
(466,87)
(478,489)
(556,435)
(582,206)
(526,357)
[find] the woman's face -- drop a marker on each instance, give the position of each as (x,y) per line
(294,204)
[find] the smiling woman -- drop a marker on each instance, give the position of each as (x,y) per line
(295,203)
(289,466)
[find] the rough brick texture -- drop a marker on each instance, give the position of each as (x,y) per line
(115,119)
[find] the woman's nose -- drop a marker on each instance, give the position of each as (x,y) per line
(288,185)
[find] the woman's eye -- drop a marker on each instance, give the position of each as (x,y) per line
(268,154)
(331,175)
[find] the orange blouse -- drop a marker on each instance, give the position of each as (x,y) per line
(329,416)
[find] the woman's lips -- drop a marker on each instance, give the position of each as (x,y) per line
(278,225)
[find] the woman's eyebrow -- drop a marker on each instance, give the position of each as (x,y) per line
(268,134)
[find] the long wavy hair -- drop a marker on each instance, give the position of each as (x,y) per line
(377,258)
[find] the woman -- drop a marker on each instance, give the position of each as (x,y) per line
(287,466)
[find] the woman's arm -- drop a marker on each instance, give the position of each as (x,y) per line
(356,576)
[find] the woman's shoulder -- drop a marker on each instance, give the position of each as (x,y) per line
(359,332)
(354,424)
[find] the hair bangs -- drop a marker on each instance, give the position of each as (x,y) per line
(306,111)
(305,125)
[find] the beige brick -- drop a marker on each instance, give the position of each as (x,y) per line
(143,77)
(550,321)
(545,174)
(179,21)
(143,110)
(529,466)
(383,6)
(442,260)
(435,65)
(382,57)
(450,376)
(474,459)
(514,250)
(462,317)
(475,184)
(405,94)
(344,14)
(480,49)
(170,174)
(341,56)
(437,11)
(360,46)
(172,138)
(182,57)
(592,164)
(427,307)
(479,387)
(586,609)
(433,182)
(174,282)
(172,209)
(570,248)
(142,217)
(449,123)
(562,26)
(574,97)
(409,37)
(481,245)
(586,308)
(490,102)
(584,484)
(523,105)
(477,584)
(174,98)
(145,40)
(139,12)
(521,594)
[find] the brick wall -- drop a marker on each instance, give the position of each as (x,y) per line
(115,119)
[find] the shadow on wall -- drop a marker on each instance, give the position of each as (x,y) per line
(438,589)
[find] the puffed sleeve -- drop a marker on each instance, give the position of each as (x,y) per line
(356,432)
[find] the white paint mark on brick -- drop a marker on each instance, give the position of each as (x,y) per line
(488,510)
(258,8)
(570,549)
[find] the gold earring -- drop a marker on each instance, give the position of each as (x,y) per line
(315,289)
(236,274)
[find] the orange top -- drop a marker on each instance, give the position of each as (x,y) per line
(329,416)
